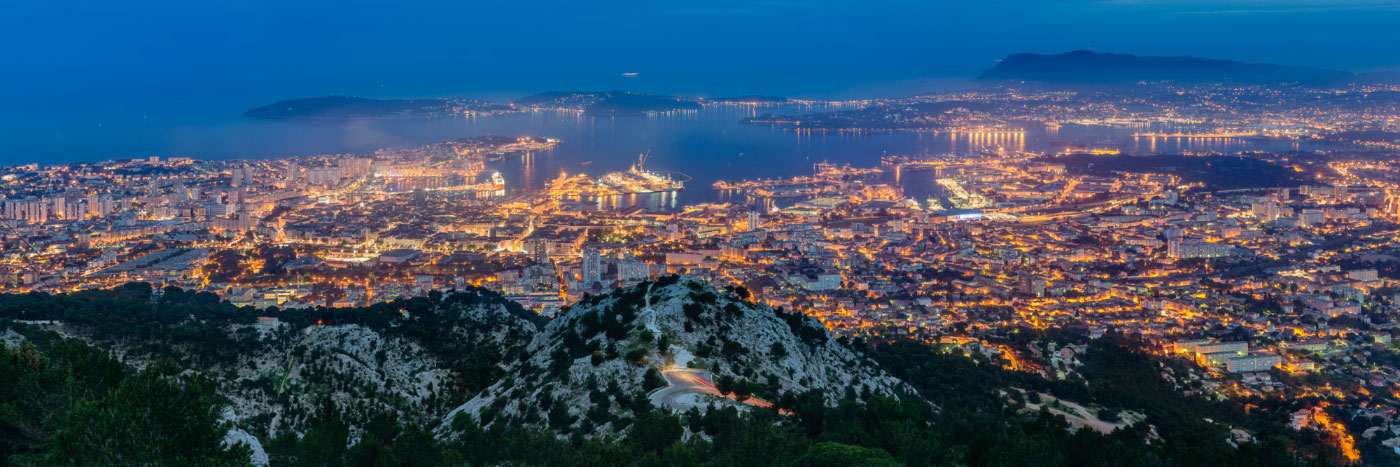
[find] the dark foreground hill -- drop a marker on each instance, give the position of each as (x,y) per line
(593,367)
(128,377)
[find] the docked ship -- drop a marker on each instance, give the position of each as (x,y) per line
(639,180)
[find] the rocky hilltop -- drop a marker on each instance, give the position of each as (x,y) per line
(604,360)
(417,369)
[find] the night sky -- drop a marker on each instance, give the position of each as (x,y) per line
(88,53)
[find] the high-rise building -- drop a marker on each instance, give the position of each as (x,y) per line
(1266,210)
(105,205)
(754,221)
(29,209)
(1392,204)
(323,175)
(354,166)
(58,207)
(1032,285)
(592,266)
(539,250)
(1309,217)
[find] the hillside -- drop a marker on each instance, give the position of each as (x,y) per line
(363,371)
(614,103)
(601,362)
(200,382)
(414,358)
(673,372)
(1082,66)
(340,107)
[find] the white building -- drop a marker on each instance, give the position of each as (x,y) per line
(1195,248)
(592,266)
(1252,363)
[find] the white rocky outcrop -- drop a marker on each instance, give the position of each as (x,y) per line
(703,328)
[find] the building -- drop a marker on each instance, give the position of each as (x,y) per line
(354,166)
(1266,210)
(1188,345)
(1030,284)
(238,177)
(539,250)
(1204,346)
(1195,248)
(822,282)
(1349,293)
(1240,348)
(1309,217)
(592,266)
(399,256)
(1363,275)
(1215,358)
(33,210)
(323,175)
(1252,363)
(629,270)
(220,209)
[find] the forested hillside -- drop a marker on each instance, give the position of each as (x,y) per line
(181,374)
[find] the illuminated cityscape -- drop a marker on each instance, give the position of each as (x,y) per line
(1081,258)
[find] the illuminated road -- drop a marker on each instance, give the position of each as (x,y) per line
(682,383)
(685,384)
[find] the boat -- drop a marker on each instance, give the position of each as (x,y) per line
(639,180)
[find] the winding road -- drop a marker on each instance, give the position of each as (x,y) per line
(683,382)
(684,385)
(688,382)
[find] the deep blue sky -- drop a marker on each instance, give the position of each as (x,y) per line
(108,53)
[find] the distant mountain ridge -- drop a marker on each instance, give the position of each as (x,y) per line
(607,103)
(1083,66)
(612,103)
(341,107)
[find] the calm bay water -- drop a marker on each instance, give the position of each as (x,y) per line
(705,145)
